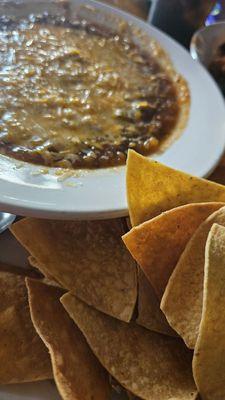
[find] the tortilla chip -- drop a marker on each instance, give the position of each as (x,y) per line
(148,364)
(77,373)
(182,300)
(153,188)
(149,314)
(24,358)
(33,262)
(88,258)
(209,354)
(157,244)
(46,278)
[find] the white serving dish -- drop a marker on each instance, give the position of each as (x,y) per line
(102,193)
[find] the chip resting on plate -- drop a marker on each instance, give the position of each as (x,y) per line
(182,300)
(158,243)
(150,365)
(77,372)
(24,357)
(153,187)
(209,354)
(87,258)
(149,314)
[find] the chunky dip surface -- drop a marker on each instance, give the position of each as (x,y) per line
(79,97)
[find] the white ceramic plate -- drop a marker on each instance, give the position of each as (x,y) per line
(11,252)
(101,193)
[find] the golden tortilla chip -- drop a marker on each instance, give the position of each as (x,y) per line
(209,354)
(24,358)
(86,257)
(157,244)
(46,278)
(182,300)
(150,365)
(153,188)
(77,373)
(149,314)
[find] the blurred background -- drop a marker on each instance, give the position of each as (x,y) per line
(178,18)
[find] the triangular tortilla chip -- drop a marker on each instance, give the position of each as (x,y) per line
(157,244)
(24,358)
(150,365)
(86,257)
(78,374)
(182,300)
(209,354)
(153,188)
(149,314)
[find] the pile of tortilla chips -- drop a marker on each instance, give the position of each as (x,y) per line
(178,240)
(93,315)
